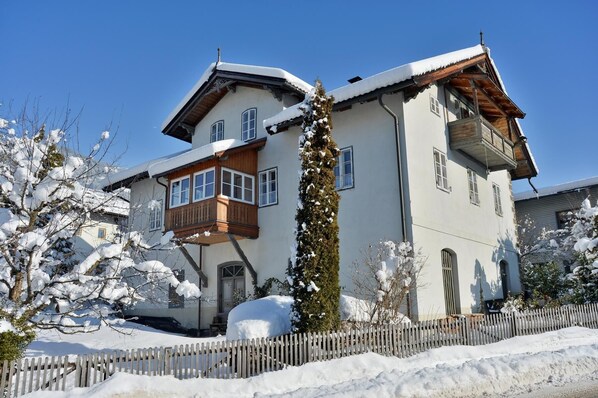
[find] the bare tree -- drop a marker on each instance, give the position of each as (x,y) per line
(384,279)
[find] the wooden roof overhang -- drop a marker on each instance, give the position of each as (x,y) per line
(253,145)
(213,90)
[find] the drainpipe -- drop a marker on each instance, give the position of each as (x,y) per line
(399,166)
(400,180)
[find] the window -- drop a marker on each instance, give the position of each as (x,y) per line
(343,171)
(175,300)
(203,185)
(472,179)
(248,126)
(238,186)
(179,192)
(102,233)
(440,169)
(217,131)
(497,201)
(434,105)
(268,187)
(155,216)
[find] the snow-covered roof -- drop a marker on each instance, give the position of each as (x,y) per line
(384,79)
(106,203)
(160,166)
(555,189)
(194,155)
(135,171)
(239,68)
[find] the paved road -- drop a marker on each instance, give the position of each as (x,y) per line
(586,389)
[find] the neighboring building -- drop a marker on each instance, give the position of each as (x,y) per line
(428,152)
(552,208)
(104,224)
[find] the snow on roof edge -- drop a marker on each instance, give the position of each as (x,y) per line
(135,170)
(193,155)
(555,189)
(384,79)
(241,68)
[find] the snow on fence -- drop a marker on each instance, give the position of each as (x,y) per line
(245,358)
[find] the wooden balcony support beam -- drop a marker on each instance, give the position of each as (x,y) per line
(193,264)
(241,254)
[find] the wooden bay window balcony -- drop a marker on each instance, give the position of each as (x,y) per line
(477,138)
(215,197)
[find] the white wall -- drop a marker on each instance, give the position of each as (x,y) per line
(442,219)
(231,107)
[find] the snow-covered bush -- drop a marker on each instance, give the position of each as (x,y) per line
(385,277)
(545,282)
(584,240)
(314,271)
(43,203)
(513,304)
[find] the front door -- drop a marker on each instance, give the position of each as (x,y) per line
(232,286)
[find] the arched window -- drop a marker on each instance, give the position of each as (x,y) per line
(504,278)
(450,282)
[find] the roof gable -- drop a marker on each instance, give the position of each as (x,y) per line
(216,82)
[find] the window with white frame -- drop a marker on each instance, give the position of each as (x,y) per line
(343,171)
(217,131)
(203,184)
(248,124)
(497,200)
(268,187)
(179,192)
(237,185)
(102,233)
(472,180)
(434,105)
(155,215)
(440,170)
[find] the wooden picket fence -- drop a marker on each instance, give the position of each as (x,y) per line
(246,358)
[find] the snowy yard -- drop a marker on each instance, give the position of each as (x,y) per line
(124,337)
(507,368)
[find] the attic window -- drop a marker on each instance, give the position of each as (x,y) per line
(217,131)
(248,124)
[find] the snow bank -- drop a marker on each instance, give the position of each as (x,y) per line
(265,317)
(507,368)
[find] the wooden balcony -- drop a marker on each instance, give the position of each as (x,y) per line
(217,216)
(478,139)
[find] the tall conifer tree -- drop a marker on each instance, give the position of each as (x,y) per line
(315,263)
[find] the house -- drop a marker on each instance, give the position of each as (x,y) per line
(552,208)
(104,224)
(428,153)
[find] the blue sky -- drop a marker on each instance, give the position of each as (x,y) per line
(126,64)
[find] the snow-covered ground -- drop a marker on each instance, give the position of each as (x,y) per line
(127,336)
(508,368)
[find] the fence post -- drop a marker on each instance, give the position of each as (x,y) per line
(466,331)
(166,358)
(514,324)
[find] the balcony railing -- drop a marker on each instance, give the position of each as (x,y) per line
(218,216)
(477,138)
